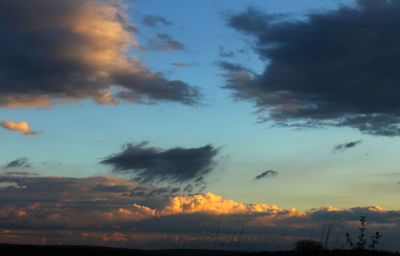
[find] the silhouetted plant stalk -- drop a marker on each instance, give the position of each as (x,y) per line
(361,244)
(328,228)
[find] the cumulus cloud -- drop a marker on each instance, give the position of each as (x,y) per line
(211,204)
(175,165)
(101,210)
(20,162)
(332,68)
(65,51)
(23,127)
(164,42)
(155,20)
(345,146)
(265,174)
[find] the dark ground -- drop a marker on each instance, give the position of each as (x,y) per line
(12,249)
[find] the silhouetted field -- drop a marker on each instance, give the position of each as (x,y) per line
(11,249)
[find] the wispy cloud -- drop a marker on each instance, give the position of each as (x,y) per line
(183,64)
(345,146)
(164,42)
(265,174)
(20,162)
(155,20)
(223,53)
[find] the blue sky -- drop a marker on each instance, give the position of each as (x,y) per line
(75,137)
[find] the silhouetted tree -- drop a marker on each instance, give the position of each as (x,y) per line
(361,244)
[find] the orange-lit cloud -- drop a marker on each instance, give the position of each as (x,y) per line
(86,56)
(104,210)
(23,127)
(212,204)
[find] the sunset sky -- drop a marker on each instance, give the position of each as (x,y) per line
(170,124)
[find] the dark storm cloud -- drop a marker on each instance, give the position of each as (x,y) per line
(265,174)
(20,162)
(154,20)
(64,51)
(335,68)
(150,164)
(164,42)
(345,146)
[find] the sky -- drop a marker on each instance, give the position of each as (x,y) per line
(274,117)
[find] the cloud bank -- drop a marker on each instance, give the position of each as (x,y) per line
(333,68)
(104,211)
(66,51)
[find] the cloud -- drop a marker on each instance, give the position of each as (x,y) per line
(23,127)
(155,20)
(225,53)
(183,65)
(21,173)
(49,202)
(265,174)
(66,51)
(345,146)
(174,165)
(164,42)
(20,162)
(211,204)
(101,211)
(332,68)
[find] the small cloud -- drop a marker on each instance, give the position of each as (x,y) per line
(23,127)
(183,65)
(155,20)
(345,146)
(164,42)
(223,53)
(20,162)
(21,174)
(265,174)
